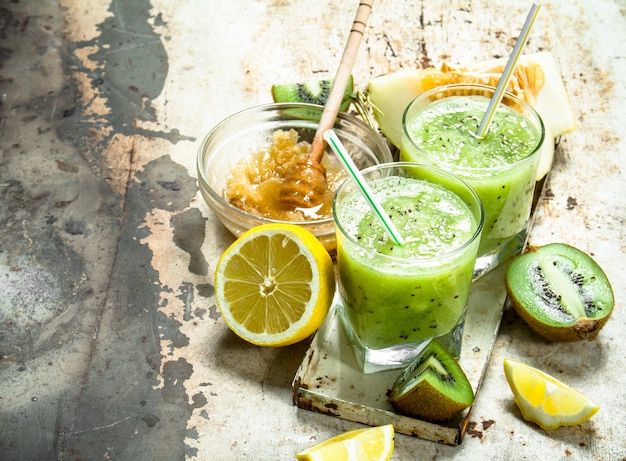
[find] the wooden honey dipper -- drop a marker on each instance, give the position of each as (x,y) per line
(305,184)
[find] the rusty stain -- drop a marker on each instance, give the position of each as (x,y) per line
(463,426)
(571,203)
(309,404)
(472,431)
(295,390)
(488,423)
(64,166)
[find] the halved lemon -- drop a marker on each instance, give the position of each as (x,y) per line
(274,284)
(369,444)
(544,399)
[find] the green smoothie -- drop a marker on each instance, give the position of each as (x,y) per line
(394,295)
(501,167)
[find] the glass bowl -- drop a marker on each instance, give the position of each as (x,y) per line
(243,133)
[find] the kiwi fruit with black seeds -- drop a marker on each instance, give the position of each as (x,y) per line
(433,387)
(560,291)
(311,92)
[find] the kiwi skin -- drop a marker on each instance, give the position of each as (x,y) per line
(583,329)
(577,329)
(424,398)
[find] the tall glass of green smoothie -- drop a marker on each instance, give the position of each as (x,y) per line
(397,298)
(439,128)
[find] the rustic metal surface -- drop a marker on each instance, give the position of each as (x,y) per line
(111,346)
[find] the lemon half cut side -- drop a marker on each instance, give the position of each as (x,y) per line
(544,399)
(369,444)
(274,284)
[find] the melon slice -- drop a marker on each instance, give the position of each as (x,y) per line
(536,80)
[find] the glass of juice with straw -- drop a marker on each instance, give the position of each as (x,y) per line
(399,294)
(440,128)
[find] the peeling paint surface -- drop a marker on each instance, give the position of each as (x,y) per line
(111,346)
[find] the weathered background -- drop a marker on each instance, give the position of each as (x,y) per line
(111,346)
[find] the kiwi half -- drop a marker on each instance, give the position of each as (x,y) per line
(432,387)
(561,292)
(312,92)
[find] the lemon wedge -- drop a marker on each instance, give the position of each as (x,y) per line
(369,444)
(544,399)
(274,284)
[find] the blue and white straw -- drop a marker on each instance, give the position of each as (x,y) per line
(333,141)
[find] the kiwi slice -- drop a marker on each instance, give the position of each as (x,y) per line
(312,92)
(560,291)
(432,387)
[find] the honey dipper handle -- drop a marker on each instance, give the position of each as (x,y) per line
(331,109)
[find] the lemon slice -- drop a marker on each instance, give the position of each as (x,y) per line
(369,444)
(274,284)
(544,399)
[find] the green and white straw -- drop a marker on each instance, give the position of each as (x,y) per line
(346,161)
(507,72)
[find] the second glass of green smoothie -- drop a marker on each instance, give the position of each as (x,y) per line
(397,298)
(439,128)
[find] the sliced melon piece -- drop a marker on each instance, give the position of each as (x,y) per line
(536,80)
(390,95)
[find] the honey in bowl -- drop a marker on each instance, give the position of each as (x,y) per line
(250,131)
(254,182)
